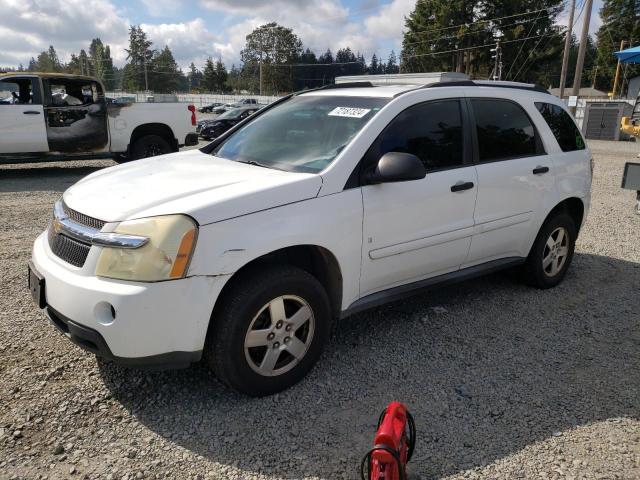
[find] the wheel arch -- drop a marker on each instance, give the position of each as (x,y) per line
(318,261)
(572,206)
(161,129)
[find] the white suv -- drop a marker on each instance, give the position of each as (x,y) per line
(323,204)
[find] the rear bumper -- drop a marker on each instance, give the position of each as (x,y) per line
(191,139)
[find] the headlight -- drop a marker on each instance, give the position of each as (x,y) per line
(165,256)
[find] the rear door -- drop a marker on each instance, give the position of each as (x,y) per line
(515,176)
(76,114)
(22,120)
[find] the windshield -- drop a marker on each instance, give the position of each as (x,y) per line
(303,134)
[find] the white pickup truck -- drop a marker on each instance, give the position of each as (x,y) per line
(52,116)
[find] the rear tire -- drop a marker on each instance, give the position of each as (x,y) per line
(269,331)
(149,146)
(551,253)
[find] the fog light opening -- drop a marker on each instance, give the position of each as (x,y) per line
(105,313)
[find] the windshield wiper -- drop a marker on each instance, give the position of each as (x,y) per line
(258,164)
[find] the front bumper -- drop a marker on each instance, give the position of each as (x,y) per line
(145,324)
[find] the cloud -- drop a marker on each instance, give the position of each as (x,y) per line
(163,8)
(188,41)
(69,25)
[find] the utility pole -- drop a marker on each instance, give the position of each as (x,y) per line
(582,50)
(146,78)
(617,77)
(497,68)
(567,47)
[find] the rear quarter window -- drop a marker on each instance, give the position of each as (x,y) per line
(562,126)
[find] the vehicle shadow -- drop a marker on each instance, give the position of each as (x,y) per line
(46,177)
(487,368)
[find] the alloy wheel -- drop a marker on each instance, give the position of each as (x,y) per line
(555,252)
(279,336)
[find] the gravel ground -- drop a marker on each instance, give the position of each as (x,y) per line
(504,381)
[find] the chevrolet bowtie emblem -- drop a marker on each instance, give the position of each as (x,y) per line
(57,225)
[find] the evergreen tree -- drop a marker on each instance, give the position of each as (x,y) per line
(48,61)
(326,57)
(620,21)
(164,74)
(139,55)
(195,77)
(392,64)
(221,76)
(33,65)
(374,67)
(209,79)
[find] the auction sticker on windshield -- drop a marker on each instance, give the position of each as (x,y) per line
(349,112)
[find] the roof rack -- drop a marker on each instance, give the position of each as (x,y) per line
(332,86)
(491,83)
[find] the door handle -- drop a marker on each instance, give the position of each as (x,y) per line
(539,170)
(31,112)
(460,186)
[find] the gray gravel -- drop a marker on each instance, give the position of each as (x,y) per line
(504,381)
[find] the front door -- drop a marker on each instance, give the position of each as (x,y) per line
(22,123)
(76,114)
(422,228)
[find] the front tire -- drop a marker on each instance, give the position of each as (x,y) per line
(269,331)
(149,146)
(551,253)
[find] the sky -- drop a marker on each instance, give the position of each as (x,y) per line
(196,29)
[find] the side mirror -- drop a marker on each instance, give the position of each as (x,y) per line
(397,167)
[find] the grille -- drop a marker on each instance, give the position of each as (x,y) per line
(69,250)
(83,219)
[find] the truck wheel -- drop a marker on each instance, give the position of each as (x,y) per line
(149,146)
(270,330)
(121,158)
(551,253)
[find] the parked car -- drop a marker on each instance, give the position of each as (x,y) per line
(223,108)
(245,101)
(328,202)
(209,108)
(59,116)
(216,127)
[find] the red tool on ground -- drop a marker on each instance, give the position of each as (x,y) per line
(393,445)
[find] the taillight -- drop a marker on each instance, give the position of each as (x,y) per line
(192,109)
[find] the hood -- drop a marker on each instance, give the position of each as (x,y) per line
(208,188)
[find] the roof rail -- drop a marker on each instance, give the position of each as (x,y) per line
(332,86)
(491,83)
(481,83)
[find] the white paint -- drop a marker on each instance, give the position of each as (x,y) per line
(413,230)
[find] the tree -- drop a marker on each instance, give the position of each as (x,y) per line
(267,52)
(33,65)
(101,63)
(48,61)
(164,74)
(620,21)
(374,67)
(139,55)
(209,80)
(444,35)
(221,76)
(194,77)
(392,64)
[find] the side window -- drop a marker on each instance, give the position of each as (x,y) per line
(67,93)
(431,131)
(562,126)
(16,91)
(504,130)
